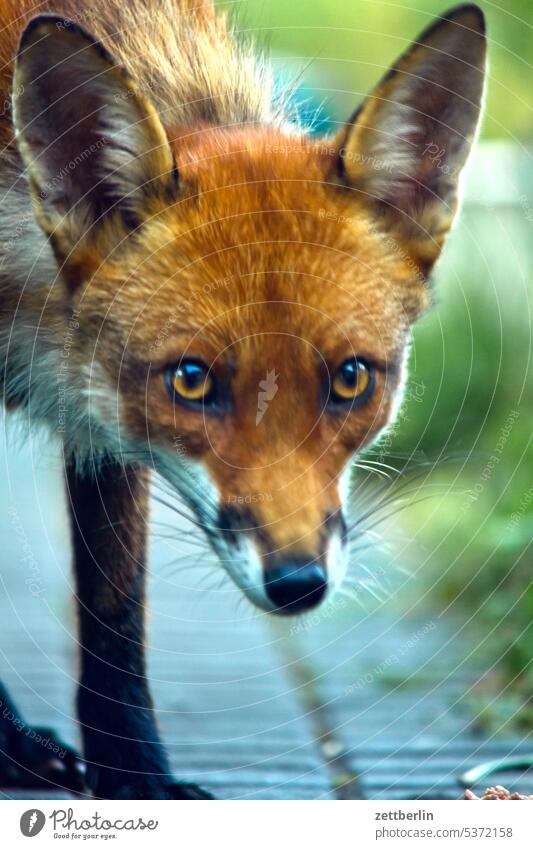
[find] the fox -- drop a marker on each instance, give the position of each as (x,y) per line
(196,286)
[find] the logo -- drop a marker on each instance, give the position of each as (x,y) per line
(268,389)
(32,822)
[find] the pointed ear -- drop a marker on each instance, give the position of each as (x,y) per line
(94,147)
(404,148)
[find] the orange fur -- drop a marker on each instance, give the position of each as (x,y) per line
(264,256)
(280,307)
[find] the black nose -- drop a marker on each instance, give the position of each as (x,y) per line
(296,586)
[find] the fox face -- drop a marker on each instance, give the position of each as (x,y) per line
(245,295)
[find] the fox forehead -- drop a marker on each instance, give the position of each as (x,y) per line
(261,238)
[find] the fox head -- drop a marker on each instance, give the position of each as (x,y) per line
(245,294)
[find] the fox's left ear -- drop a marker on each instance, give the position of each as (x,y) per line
(94,147)
(403,150)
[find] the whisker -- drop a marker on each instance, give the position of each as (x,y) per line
(372,470)
(381,463)
(352,595)
(175,565)
(179,512)
(396,495)
(398,509)
(176,536)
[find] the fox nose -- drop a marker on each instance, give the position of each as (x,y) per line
(296,586)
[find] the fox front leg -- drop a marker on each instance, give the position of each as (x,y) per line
(124,755)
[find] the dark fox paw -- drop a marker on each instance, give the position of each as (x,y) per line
(33,757)
(188,791)
(149,790)
(118,786)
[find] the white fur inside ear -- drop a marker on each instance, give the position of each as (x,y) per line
(133,143)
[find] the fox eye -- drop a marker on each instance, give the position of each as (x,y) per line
(191,381)
(353,381)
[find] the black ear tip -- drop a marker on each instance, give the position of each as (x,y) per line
(46,25)
(468,15)
(41,27)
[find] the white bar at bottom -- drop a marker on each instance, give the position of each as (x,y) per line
(267,825)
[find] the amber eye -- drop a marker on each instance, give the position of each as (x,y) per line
(353,380)
(191,381)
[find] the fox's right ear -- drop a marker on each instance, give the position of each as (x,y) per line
(94,147)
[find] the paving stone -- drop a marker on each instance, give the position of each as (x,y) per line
(254,708)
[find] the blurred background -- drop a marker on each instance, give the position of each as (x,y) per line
(423,668)
(464,434)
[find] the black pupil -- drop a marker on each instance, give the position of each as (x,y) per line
(349,373)
(192,374)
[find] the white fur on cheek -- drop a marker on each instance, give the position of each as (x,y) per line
(336,561)
(197,489)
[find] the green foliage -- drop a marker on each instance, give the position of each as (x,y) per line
(343,48)
(470,399)
(473,357)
